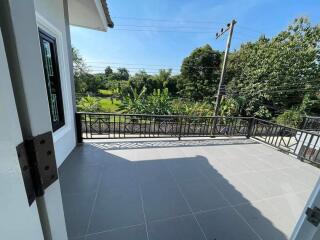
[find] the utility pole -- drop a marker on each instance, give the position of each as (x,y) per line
(229,28)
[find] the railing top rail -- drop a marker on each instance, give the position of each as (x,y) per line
(312,117)
(291,128)
(154,115)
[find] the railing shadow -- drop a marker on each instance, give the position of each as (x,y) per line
(134,144)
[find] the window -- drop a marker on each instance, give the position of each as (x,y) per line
(52,78)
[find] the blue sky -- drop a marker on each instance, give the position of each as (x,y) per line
(153,34)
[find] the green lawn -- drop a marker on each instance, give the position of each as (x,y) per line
(107,105)
(106,92)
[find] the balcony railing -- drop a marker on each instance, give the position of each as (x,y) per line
(300,143)
(311,123)
(110,126)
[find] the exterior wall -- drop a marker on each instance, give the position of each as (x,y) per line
(51,18)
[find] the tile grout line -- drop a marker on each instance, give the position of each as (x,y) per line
(115,229)
(245,221)
(189,206)
(144,214)
(142,204)
(94,202)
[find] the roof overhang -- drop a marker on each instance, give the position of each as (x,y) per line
(93,14)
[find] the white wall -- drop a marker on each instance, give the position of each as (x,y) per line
(50,17)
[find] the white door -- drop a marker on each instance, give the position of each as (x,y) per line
(18,220)
(304,229)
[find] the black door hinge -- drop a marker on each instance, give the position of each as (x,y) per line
(313,215)
(38,164)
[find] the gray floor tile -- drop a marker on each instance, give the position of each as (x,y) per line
(152,171)
(202,196)
(77,209)
(186,169)
(119,208)
(132,233)
(80,180)
(260,185)
(118,177)
(235,192)
(181,228)
(163,201)
(225,224)
(260,223)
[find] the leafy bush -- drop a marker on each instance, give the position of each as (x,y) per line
(181,107)
(134,102)
(88,104)
(290,118)
(158,103)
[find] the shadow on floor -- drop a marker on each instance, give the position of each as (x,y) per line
(132,144)
(109,197)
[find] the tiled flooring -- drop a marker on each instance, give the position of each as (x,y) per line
(210,190)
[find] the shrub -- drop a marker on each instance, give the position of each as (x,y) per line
(290,118)
(88,104)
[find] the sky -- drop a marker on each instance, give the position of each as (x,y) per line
(154,34)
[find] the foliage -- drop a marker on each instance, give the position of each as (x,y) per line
(200,74)
(274,74)
(181,107)
(290,118)
(158,103)
(134,102)
(229,107)
(88,104)
(122,74)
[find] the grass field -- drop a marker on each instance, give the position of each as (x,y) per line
(108,106)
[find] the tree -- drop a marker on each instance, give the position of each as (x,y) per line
(108,71)
(79,70)
(123,74)
(200,74)
(274,74)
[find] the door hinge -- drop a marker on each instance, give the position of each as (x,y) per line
(313,215)
(38,164)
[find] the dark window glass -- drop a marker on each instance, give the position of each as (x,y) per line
(52,77)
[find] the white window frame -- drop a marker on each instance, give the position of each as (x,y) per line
(65,82)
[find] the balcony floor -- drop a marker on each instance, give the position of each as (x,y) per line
(183,190)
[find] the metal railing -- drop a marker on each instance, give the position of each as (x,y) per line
(311,123)
(300,143)
(111,126)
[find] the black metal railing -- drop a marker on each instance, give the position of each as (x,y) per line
(110,126)
(300,143)
(311,123)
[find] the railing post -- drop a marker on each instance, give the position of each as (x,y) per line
(250,127)
(180,128)
(78,128)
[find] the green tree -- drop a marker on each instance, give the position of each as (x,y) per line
(274,74)
(80,69)
(200,74)
(108,71)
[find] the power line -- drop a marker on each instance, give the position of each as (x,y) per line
(246,28)
(168,20)
(154,30)
(277,91)
(143,64)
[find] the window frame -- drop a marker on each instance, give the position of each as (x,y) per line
(43,35)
